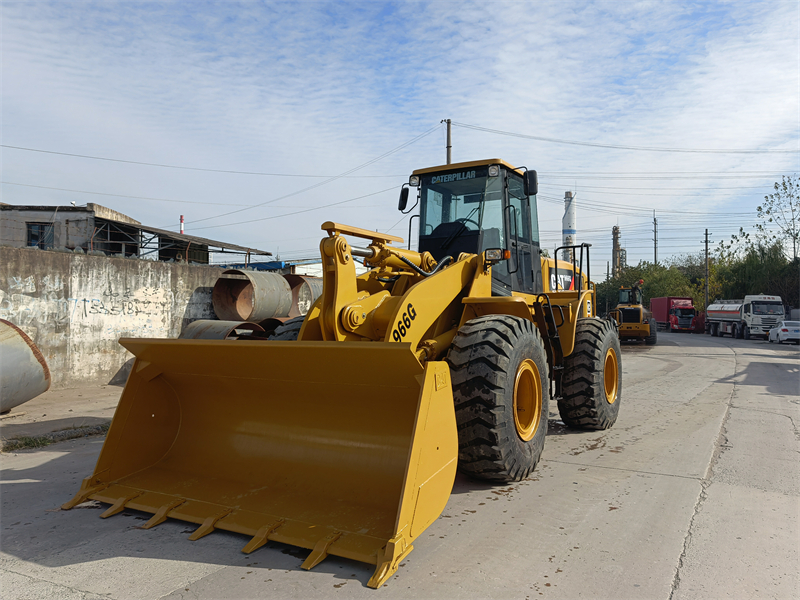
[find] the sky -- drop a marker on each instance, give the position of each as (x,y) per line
(259,121)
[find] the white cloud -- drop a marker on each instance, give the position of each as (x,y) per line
(310,88)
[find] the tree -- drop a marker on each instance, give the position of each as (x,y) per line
(756,268)
(781,210)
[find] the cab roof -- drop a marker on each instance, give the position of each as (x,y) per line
(468,165)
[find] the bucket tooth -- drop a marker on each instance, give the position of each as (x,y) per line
(89,486)
(119,505)
(262,536)
(161,514)
(389,559)
(320,551)
(208,525)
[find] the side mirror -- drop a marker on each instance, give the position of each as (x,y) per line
(531,183)
(401,205)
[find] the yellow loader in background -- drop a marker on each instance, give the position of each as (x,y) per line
(343,432)
(634,321)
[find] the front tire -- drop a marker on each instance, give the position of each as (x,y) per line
(651,339)
(592,377)
(501,391)
(746,332)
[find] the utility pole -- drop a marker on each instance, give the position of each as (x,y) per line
(615,266)
(608,272)
(706,306)
(449,143)
(655,239)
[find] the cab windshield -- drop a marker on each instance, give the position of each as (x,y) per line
(767,308)
(684,312)
(467,201)
(631,296)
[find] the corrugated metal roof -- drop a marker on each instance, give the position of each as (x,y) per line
(193,239)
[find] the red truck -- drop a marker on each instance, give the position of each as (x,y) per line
(673,314)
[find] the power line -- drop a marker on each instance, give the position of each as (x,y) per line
(621,147)
(182,167)
(640,189)
(321,183)
(573,173)
(602,206)
(297,212)
(43,187)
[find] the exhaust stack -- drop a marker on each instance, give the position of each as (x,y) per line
(569,225)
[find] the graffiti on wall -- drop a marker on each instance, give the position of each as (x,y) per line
(79,309)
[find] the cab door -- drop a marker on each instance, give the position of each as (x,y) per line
(518,226)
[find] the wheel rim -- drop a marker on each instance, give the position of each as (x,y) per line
(611,376)
(527,399)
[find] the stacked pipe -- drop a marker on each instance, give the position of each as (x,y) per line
(23,369)
(266,299)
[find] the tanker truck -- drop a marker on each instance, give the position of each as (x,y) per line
(755,315)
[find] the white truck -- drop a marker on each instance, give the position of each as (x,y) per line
(755,315)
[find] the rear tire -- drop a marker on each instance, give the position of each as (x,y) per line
(651,339)
(714,330)
(289,330)
(501,391)
(592,377)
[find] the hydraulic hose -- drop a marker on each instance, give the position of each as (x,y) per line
(442,263)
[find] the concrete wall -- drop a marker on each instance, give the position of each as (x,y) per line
(76,307)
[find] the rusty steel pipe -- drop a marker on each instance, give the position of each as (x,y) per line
(240,295)
(305,291)
(208,329)
(23,369)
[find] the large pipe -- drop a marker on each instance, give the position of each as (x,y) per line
(23,370)
(305,291)
(251,296)
(207,329)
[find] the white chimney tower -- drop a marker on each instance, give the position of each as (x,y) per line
(569,225)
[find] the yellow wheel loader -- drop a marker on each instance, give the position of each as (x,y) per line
(342,433)
(635,322)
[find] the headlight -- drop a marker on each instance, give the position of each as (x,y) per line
(494,170)
(413,181)
(494,254)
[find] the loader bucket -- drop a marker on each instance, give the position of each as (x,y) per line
(344,448)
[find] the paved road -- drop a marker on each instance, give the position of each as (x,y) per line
(694,494)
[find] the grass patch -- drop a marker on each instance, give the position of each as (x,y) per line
(27,442)
(40,441)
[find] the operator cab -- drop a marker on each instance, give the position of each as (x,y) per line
(630,296)
(474,206)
